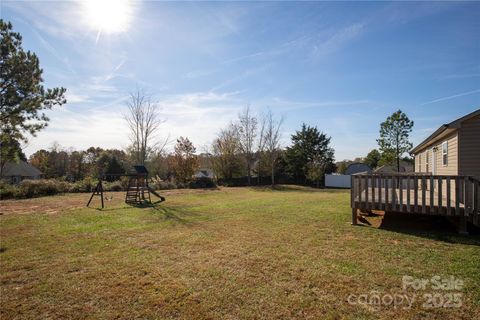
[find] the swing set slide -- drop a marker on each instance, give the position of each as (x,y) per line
(155,193)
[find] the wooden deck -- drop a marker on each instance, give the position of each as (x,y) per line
(401,200)
(457,196)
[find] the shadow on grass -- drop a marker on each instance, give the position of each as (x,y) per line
(167,213)
(285,188)
(432,227)
(173,214)
(144,204)
(111,208)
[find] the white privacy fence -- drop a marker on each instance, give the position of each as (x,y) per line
(337,181)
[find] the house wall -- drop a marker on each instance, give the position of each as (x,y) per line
(452,163)
(469,147)
(418,162)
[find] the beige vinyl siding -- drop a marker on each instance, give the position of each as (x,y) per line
(469,163)
(421,161)
(418,163)
(452,157)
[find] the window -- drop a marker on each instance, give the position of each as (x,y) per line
(420,162)
(445,153)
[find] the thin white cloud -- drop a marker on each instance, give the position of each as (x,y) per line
(243,75)
(54,52)
(199,74)
(288,105)
(451,97)
(460,76)
(81,130)
(117,103)
(92,94)
(120,65)
(323,44)
(57,20)
(73,97)
(336,40)
(274,51)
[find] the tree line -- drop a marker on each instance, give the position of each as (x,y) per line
(252,146)
(249,147)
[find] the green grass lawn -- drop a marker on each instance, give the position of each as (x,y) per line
(236,253)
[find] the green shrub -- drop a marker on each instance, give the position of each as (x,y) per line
(7,191)
(158,184)
(113,186)
(200,183)
(34,188)
(44,187)
(181,185)
(171,185)
(63,186)
(85,185)
(75,187)
(124,182)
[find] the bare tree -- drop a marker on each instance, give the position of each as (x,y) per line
(247,132)
(272,141)
(144,121)
(260,146)
(225,152)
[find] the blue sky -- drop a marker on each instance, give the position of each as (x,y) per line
(340,66)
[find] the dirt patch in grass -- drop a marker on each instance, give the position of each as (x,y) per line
(45,205)
(58,203)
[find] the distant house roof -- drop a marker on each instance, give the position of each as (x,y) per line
(22,169)
(204,173)
(404,167)
(443,131)
(357,167)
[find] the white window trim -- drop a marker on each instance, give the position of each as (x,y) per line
(445,153)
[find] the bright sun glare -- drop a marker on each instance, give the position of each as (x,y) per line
(108,16)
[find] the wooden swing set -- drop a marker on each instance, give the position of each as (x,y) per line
(138,191)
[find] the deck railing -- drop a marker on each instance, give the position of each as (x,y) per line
(417,193)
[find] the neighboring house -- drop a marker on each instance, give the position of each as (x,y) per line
(16,172)
(405,167)
(204,173)
(453,149)
(357,167)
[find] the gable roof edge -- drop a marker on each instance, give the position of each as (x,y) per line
(452,125)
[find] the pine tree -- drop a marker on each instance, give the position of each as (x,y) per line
(394,134)
(22,95)
(309,146)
